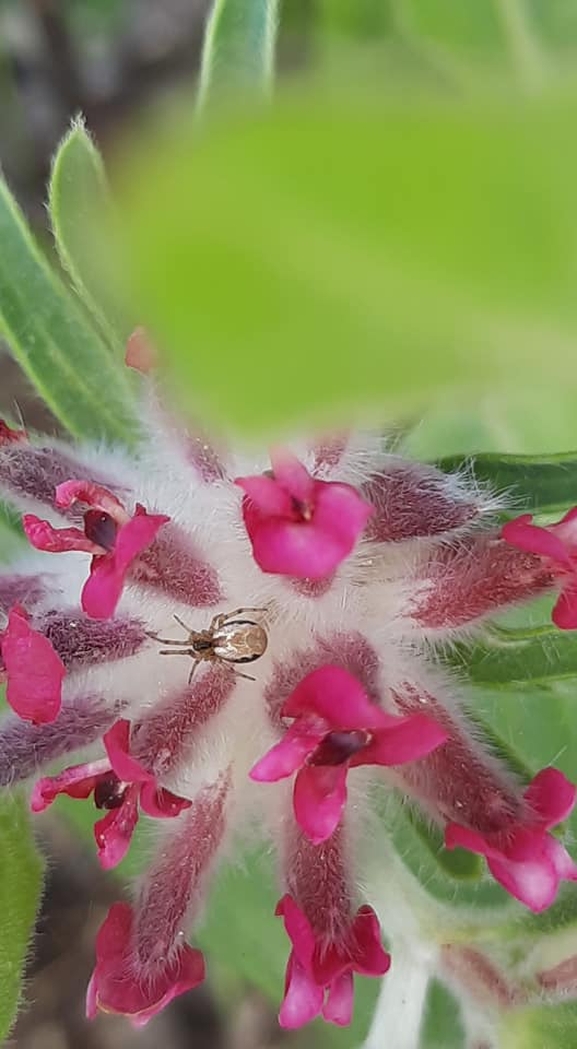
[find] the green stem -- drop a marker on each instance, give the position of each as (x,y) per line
(239,50)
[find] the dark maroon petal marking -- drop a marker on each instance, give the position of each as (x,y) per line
(25,748)
(25,590)
(328,452)
(455,780)
(337,747)
(172,565)
(100,528)
(413,501)
(203,457)
(158,740)
(351,651)
(109,792)
(80,641)
(29,472)
(478,576)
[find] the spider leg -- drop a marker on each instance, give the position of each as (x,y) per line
(194,666)
(166,640)
(183,652)
(188,629)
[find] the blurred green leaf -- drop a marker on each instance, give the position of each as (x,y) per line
(19,895)
(546,1027)
(341,252)
(54,342)
(238,51)
(77,188)
(546,483)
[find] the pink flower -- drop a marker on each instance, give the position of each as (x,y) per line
(557,543)
(337,727)
(526,860)
(33,670)
(112,537)
(10,436)
(299,526)
(319,974)
(119,784)
(121,984)
(141,353)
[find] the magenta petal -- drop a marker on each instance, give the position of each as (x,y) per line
(285,757)
(463,838)
(291,475)
(338,1008)
(303,997)
(565,611)
(341,513)
(294,548)
(34,671)
(103,588)
(113,833)
(160,803)
(338,698)
(551,796)
(77,782)
(319,797)
(533,882)
(409,739)
(534,539)
(42,536)
(93,495)
(370,957)
(298,929)
(117,743)
(266,497)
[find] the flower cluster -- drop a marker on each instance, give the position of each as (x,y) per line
(309,590)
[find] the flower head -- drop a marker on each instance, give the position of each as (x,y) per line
(557,545)
(33,670)
(337,727)
(319,975)
(121,983)
(297,525)
(120,785)
(114,539)
(526,860)
(359,561)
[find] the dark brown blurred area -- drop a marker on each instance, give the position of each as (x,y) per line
(106,59)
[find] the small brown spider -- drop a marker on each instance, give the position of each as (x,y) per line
(228,640)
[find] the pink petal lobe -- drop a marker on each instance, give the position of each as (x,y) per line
(265,497)
(370,957)
(103,588)
(93,495)
(294,548)
(303,998)
(409,739)
(461,837)
(534,539)
(285,757)
(34,671)
(565,611)
(113,833)
(341,512)
(551,796)
(298,929)
(319,797)
(533,882)
(117,744)
(77,782)
(161,803)
(338,1008)
(337,697)
(291,475)
(42,536)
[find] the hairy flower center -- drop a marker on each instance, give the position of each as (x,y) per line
(338,747)
(109,792)
(100,528)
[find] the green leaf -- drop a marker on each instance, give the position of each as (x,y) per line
(77,189)
(54,342)
(337,253)
(543,483)
(20,881)
(238,52)
(547,1027)
(504,657)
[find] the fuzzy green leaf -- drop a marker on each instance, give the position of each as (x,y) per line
(547,484)
(20,880)
(53,340)
(505,657)
(77,190)
(238,51)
